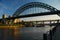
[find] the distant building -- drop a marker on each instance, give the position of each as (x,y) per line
(10,21)
(4,20)
(16,20)
(4,16)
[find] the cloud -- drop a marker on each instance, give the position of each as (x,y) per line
(4,6)
(16,2)
(39,18)
(0,10)
(13,3)
(0,17)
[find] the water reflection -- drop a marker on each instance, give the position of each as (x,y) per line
(31,33)
(25,33)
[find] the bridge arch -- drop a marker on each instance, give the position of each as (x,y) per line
(33,4)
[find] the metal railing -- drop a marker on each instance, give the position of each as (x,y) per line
(49,34)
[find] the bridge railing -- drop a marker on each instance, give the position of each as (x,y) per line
(49,34)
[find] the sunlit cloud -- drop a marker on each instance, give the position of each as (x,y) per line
(39,18)
(0,17)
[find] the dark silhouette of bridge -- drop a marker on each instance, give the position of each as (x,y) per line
(31,5)
(36,4)
(41,5)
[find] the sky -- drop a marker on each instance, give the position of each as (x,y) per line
(9,7)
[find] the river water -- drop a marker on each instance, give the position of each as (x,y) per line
(32,33)
(26,33)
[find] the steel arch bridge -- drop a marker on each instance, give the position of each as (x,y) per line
(33,4)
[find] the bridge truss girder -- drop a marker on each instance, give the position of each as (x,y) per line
(31,5)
